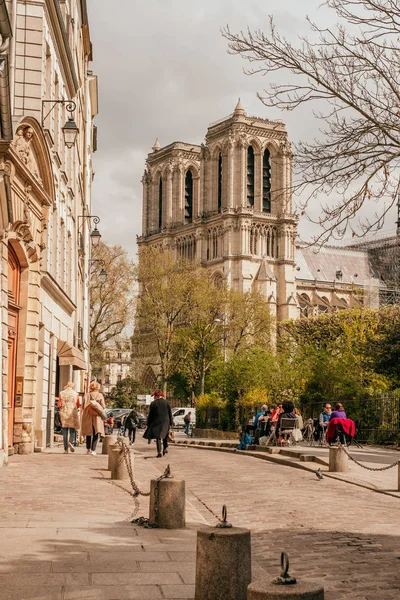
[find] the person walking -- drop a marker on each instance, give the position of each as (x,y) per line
(68,403)
(131,423)
(93,417)
(159,421)
(187,420)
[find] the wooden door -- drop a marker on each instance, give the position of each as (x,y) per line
(14,277)
(12,366)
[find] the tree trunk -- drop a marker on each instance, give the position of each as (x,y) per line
(203,376)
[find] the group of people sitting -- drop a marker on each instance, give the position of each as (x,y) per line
(284,421)
(272,422)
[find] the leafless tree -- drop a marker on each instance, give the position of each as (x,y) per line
(352,71)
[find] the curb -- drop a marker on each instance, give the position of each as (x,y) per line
(284,462)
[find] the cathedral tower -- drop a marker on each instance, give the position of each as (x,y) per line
(228,203)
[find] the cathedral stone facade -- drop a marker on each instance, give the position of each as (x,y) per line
(227,204)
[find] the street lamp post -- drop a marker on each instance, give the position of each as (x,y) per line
(70,129)
(95,234)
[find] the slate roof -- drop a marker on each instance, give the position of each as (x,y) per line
(323,265)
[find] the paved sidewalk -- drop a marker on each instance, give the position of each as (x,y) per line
(66,531)
(369,475)
(66,534)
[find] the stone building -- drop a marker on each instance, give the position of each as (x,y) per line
(117,363)
(227,204)
(45,201)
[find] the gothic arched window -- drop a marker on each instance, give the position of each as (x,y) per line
(188,197)
(160,203)
(250,176)
(219,182)
(266,182)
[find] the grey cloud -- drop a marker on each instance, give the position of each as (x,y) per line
(164,72)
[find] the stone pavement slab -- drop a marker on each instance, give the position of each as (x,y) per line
(75,539)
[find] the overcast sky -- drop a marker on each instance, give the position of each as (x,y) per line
(164,72)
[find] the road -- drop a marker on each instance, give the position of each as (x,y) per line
(66,532)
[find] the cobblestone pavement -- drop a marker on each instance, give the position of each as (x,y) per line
(66,532)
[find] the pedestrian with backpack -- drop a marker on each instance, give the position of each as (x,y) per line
(131,423)
(187,419)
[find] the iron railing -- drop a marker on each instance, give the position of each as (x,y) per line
(377,417)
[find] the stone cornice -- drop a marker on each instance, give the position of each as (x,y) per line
(54,290)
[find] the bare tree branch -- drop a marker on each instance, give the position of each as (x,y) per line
(353,72)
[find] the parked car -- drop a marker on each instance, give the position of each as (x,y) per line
(120,413)
(179,414)
(142,420)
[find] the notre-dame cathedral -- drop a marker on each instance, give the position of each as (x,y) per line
(228,204)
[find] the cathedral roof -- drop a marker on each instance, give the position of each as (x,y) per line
(330,264)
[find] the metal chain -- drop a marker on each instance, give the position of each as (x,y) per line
(207,507)
(137,491)
(386,468)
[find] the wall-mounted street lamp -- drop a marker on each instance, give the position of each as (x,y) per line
(103,272)
(95,234)
(70,129)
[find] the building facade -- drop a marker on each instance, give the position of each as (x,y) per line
(117,365)
(228,204)
(45,200)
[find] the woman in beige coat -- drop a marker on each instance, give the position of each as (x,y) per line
(68,403)
(92,423)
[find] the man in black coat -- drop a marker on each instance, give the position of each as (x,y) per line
(158,422)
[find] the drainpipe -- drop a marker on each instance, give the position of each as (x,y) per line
(12,53)
(5,99)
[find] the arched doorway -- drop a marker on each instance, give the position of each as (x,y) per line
(14,279)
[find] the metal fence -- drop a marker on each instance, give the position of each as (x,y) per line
(377,418)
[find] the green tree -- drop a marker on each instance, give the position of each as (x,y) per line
(111,301)
(200,339)
(123,395)
(166,287)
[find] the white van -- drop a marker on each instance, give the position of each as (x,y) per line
(179,414)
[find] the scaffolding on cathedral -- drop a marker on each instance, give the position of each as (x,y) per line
(384,255)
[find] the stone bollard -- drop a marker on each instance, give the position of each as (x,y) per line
(123,439)
(338,460)
(266,590)
(107,439)
(118,465)
(223,562)
(285,587)
(111,456)
(167,503)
